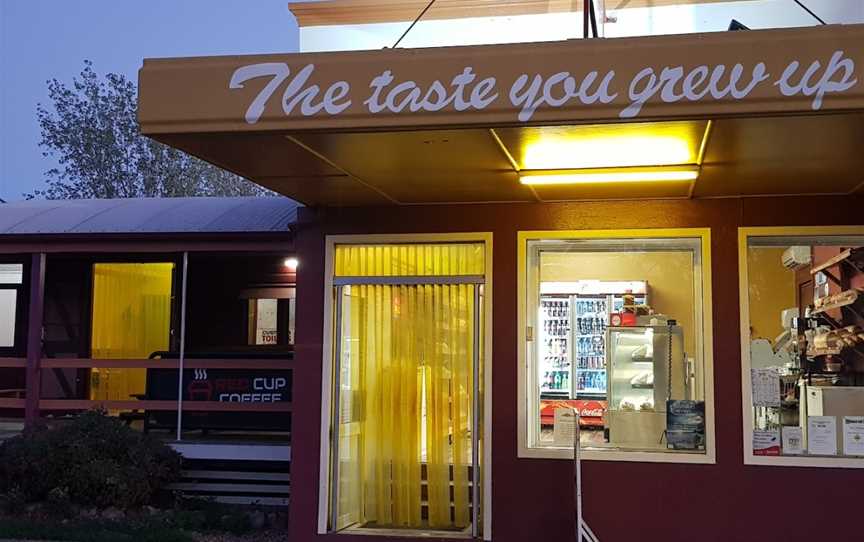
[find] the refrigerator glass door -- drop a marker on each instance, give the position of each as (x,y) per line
(554,367)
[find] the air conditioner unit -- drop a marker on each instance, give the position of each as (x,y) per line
(796,257)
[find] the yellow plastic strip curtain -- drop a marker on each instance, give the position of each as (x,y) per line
(409,375)
(406,381)
(444,259)
(131,320)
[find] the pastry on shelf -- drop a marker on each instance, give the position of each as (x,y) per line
(644,379)
(644,352)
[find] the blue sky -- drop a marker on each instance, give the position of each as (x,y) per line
(44,39)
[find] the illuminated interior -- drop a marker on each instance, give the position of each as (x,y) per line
(612,153)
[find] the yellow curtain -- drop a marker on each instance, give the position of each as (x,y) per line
(406,388)
(131,320)
(444,259)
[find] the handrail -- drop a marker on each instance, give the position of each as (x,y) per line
(12,403)
(13,363)
(85,363)
(189,406)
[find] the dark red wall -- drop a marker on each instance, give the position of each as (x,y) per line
(533,498)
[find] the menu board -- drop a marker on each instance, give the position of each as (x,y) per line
(766,387)
(766,442)
(853,435)
(564,431)
(793,440)
(822,435)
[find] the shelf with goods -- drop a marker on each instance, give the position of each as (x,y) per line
(835,343)
(591,317)
(555,367)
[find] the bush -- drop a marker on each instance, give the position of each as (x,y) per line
(93,460)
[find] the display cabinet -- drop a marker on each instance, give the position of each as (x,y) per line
(646,368)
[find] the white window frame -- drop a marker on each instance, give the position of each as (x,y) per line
(525,395)
(327,374)
(744,234)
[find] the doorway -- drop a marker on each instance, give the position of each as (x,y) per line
(406,450)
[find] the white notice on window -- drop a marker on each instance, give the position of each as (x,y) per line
(853,435)
(564,431)
(766,387)
(793,440)
(822,435)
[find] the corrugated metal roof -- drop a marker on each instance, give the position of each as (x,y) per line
(148,215)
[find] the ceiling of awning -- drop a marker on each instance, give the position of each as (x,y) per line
(813,154)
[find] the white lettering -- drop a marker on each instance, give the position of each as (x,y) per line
(278,70)
(464,78)
(336,92)
(666,84)
(532,92)
(602,93)
(480,95)
(639,97)
(294,93)
(693,79)
(409,95)
(377,85)
(525,100)
(413,95)
(531,98)
(824,85)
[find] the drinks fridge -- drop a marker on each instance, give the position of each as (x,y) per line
(572,322)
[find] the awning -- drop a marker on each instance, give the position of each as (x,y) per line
(457,124)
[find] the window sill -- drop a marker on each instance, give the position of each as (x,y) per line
(406,533)
(696,458)
(820,462)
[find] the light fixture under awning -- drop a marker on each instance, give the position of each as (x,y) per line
(686,173)
(609,145)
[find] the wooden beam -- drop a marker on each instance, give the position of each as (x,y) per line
(34,337)
(350,12)
(13,363)
(12,403)
(82,363)
(189,406)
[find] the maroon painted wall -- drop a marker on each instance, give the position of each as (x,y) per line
(533,498)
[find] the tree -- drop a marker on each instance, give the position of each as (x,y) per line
(92,131)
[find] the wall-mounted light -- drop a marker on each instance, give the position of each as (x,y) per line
(610,175)
(291,264)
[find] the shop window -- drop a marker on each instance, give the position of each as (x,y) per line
(406,389)
(802,319)
(11,301)
(616,327)
(131,321)
(270,320)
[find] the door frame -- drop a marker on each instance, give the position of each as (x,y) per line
(327,368)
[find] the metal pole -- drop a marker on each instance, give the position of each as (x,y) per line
(475,420)
(34,339)
(577,476)
(335,408)
(585,18)
(182,346)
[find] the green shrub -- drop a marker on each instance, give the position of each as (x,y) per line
(93,461)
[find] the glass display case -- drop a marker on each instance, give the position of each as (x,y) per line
(643,362)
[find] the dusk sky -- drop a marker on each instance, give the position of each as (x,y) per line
(44,39)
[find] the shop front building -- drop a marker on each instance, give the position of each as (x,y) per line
(174,315)
(656,239)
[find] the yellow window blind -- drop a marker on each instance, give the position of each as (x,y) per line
(131,320)
(445,259)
